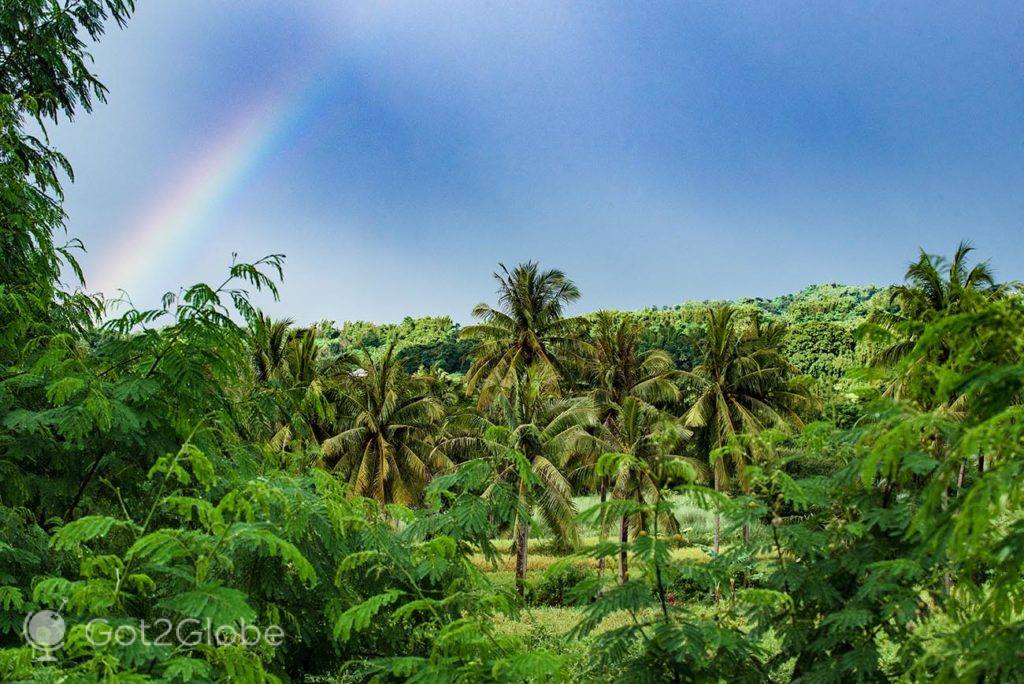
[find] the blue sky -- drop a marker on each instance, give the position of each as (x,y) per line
(656,152)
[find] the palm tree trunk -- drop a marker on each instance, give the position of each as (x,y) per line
(604,525)
(623,540)
(659,584)
(522,544)
(718,518)
(947,576)
(746,533)
(522,535)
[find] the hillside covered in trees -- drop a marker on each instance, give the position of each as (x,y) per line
(821,487)
(822,322)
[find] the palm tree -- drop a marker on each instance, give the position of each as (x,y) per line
(385,451)
(639,445)
(268,342)
(526,328)
(529,434)
(299,376)
(614,370)
(743,384)
(934,288)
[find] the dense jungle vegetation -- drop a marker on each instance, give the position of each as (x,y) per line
(818,487)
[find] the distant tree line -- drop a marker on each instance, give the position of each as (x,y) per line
(821,320)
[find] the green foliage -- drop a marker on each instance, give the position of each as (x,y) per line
(199,463)
(431,342)
(822,349)
(821,320)
(556,584)
(384,449)
(431,613)
(526,330)
(663,640)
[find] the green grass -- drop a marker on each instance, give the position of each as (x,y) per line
(697,524)
(555,621)
(538,624)
(546,627)
(697,530)
(542,554)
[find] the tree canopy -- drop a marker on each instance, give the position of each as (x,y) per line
(358,489)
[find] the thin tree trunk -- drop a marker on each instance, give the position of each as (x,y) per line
(623,541)
(947,576)
(604,526)
(746,533)
(522,544)
(981,464)
(718,518)
(81,487)
(660,584)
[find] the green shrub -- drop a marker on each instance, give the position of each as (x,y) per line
(554,587)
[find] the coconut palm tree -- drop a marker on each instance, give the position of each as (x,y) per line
(613,370)
(935,287)
(529,434)
(614,367)
(299,378)
(742,384)
(639,449)
(385,450)
(526,328)
(268,341)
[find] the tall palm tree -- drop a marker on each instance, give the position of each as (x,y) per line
(743,384)
(529,435)
(299,376)
(640,440)
(934,287)
(268,342)
(315,378)
(385,449)
(526,328)
(614,370)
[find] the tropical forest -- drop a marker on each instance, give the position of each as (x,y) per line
(824,486)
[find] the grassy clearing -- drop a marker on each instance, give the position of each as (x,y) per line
(539,624)
(554,621)
(539,562)
(544,552)
(697,524)
(697,529)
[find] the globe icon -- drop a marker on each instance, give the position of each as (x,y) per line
(44,630)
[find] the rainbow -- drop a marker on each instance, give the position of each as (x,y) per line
(172,223)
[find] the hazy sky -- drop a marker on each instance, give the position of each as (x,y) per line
(656,152)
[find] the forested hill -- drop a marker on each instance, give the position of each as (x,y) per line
(820,342)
